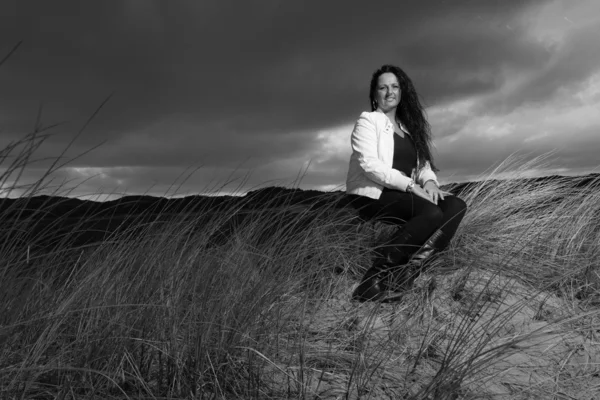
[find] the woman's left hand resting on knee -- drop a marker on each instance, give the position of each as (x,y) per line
(435,192)
(421,192)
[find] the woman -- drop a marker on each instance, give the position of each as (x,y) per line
(391,176)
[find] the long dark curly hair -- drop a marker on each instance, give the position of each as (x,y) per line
(409,111)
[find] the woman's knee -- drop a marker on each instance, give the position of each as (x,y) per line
(433,213)
(455,205)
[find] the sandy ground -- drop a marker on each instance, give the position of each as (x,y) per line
(476,334)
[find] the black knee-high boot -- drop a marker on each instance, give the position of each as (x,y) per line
(389,274)
(435,244)
(396,271)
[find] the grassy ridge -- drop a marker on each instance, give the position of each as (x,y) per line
(158,313)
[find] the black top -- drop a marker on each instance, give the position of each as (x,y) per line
(405,154)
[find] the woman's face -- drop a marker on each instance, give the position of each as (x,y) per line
(387,92)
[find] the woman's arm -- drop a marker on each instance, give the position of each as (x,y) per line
(364,144)
(426,174)
(432,186)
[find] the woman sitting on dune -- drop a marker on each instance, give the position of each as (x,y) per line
(391,176)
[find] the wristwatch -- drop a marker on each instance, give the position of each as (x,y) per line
(410,187)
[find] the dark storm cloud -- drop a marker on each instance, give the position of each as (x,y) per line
(273,65)
(229,83)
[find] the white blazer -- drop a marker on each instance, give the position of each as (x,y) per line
(372,156)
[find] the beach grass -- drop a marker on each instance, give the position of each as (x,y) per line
(510,310)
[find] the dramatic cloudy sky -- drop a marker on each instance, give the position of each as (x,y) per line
(233,95)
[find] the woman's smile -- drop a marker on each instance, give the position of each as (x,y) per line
(388,92)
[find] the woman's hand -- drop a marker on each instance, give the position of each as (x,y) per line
(434,192)
(419,191)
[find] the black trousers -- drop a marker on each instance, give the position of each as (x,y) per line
(417,216)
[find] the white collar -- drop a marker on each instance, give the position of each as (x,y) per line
(391,123)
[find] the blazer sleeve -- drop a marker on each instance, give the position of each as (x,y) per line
(364,144)
(426,174)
